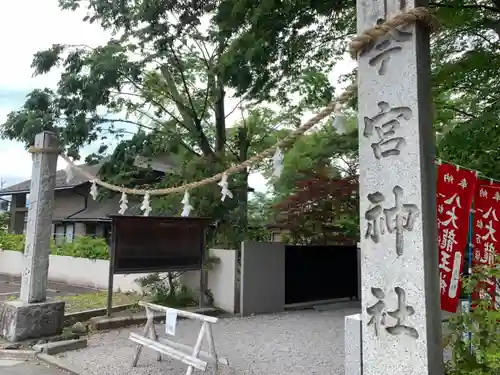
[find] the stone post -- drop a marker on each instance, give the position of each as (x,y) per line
(401,319)
(352,345)
(37,248)
(33,316)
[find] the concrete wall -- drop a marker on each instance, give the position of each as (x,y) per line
(262,278)
(94,274)
(221,279)
(75,271)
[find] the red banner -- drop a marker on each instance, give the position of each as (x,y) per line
(455,190)
(486,233)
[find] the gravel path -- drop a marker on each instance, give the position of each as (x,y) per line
(294,343)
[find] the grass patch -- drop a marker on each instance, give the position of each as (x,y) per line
(97,300)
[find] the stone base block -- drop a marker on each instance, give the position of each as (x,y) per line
(352,358)
(57,347)
(20,321)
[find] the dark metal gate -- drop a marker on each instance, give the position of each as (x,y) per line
(314,273)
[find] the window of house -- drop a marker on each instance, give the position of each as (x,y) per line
(64,233)
(91,229)
(70,232)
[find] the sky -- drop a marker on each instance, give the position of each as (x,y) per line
(44,24)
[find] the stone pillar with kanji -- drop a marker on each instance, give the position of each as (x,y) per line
(401,318)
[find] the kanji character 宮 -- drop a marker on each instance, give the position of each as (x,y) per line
(384,125)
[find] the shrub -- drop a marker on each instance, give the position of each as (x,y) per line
(11,241)
(166,291)
(482,355)
(81,247)
(84,247)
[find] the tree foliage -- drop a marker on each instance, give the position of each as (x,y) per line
(307,37)
(161,73)
(323,149)
(4,221)
(172,67)
(472,334)
(310,200)
(280,45)
(323,210)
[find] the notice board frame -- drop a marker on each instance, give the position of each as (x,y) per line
(203,222)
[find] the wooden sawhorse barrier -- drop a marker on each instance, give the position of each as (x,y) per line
(194,357)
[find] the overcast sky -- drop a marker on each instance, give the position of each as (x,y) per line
(27,26)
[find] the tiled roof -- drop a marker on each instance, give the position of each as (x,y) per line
(61,183)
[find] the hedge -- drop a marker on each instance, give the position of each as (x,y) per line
(81,247)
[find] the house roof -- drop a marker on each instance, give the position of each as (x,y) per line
(61,181)
(164,164)
(97,213)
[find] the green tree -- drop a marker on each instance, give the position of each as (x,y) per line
(280,43)
(322,150)
(4,221)
(161,73)
(313,198)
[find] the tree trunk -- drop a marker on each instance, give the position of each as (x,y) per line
(243,199)
(171,287)
(220,115)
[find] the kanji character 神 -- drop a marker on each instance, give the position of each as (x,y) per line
(400,217)
(374,217)
(397,219)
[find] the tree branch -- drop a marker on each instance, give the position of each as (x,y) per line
(184,83)
(189,121)
(468,6)
(183,144)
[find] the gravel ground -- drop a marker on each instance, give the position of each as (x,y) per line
(294,343)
